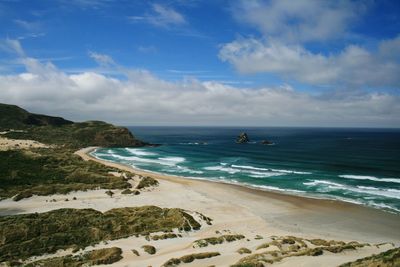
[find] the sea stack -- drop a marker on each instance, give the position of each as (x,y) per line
(242,138)
(266,142)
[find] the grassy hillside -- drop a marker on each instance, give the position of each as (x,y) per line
(49,171)
(58,131)
(14,117)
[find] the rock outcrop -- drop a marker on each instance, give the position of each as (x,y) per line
(242,138)
(266,142)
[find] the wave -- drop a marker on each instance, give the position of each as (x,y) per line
(288,171)
(383,206)
(182,169)
(371,178)
(265,169)
(168,161)
(139,152)
(274,188)
(173,159)
(369,190)
(252,172)
(222,168)
(323,182)
(194,143)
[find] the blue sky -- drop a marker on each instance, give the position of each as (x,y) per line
(257,63)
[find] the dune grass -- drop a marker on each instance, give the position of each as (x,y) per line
(49,171)
(190,258)
(94,257)
(216,240)
(389,258)
(22,236)
(290,246)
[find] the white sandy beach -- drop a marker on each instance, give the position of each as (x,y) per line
(234,210)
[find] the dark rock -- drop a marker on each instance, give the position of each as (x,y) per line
(242,138)
(266,142)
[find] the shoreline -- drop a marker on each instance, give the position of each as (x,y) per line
(355,220)
(279,194)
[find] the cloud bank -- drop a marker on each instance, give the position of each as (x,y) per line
(288,27)
(141,98)
(354,66)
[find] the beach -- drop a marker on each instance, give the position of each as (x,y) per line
(256,214)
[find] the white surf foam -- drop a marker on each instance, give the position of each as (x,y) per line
(371,178)
(323,182)
(173,159)
(163,161)
(140,152)
(252,172)
(369,190)
(222,168)
(265,169)
(274,188)
(383,206)
(255,174)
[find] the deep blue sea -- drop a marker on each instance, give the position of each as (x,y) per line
(355,165)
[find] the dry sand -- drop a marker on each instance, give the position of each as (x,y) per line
(234,210)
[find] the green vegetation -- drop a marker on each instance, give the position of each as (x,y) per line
(22,236)
(127,192)
(49,171)
(58,131)
(291,246)
(164,236)
(134,251)
(79,135)
(146,181)
(389,258)
(189,258)
(14,117)
(149,249)
(244,251)
(216,240)
(94,257)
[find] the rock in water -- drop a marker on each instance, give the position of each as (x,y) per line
(266,142)
(242,138)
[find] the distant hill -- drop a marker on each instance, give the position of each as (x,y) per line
(14,117)
(59,131)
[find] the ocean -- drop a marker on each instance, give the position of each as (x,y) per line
(361,166)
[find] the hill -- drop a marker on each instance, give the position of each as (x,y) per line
(59,131)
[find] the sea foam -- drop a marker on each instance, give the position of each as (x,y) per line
(371,178)
(265,169)
(139,152)
(369,190)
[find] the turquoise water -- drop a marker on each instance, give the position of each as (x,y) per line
(355,165)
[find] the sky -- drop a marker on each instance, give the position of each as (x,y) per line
(204,63)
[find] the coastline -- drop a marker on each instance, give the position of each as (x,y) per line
(288,212)
(261,217)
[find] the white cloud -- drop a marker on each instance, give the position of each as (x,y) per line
(287,28)
(161,16)
(300,20)
(101,59)
(11,45)
(31,26)
(142,98)
(352,66)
